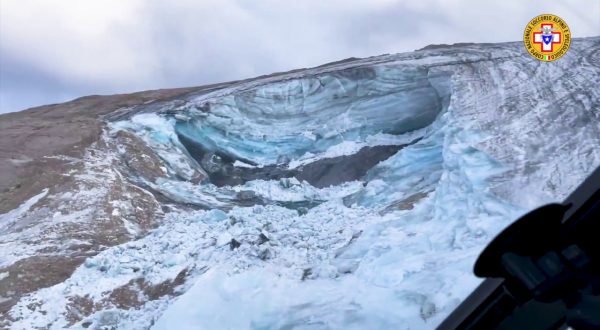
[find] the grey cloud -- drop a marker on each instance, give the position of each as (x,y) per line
(136,45)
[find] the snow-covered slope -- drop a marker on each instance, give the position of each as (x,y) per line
(355,195)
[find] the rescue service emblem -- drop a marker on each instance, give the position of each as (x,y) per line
(547,37)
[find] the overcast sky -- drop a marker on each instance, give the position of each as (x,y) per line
(53,51)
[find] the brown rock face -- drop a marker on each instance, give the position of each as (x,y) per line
(88,208)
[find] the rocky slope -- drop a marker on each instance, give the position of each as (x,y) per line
(352,195)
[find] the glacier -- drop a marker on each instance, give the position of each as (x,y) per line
(355,195)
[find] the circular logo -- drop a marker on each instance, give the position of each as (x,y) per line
(547,37)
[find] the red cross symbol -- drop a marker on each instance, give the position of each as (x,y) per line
(547,47)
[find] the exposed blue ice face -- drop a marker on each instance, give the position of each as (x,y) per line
(287,119)
(313,128)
